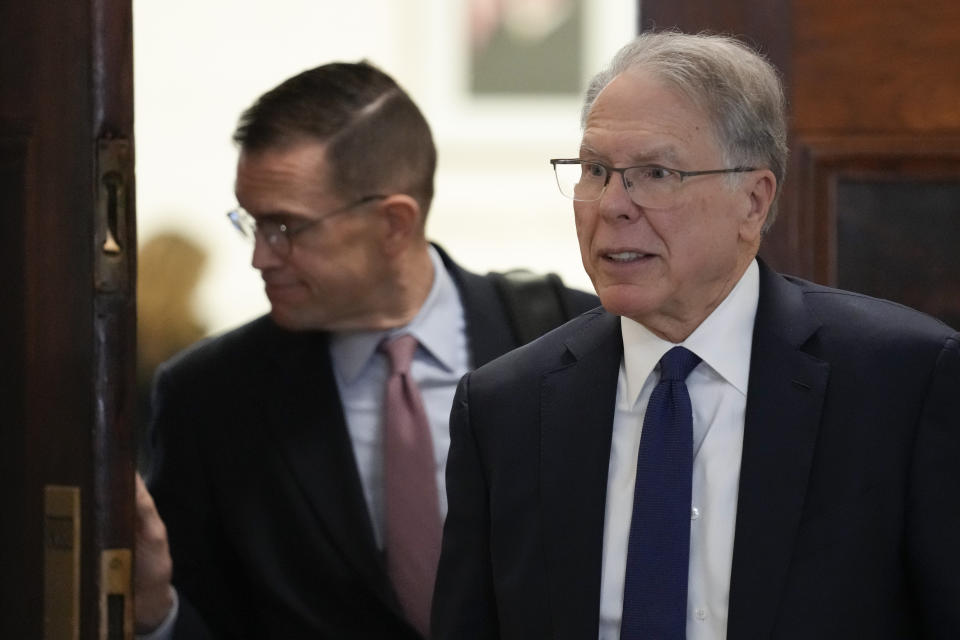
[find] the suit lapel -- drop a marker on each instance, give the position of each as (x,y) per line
(784,402)
(313,438)
(577,407)
(488,328)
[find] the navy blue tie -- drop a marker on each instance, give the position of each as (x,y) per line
(658,554)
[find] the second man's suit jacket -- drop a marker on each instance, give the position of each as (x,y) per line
(254,476)
(848,520)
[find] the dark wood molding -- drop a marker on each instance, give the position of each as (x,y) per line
(822,161)
(16,532)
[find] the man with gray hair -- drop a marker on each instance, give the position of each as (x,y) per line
(721,451)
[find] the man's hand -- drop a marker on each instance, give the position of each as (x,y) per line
(153,592)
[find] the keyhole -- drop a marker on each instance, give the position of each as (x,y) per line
(113,183)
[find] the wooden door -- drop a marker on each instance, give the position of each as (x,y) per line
(67,319)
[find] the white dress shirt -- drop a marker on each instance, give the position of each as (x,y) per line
(718,396)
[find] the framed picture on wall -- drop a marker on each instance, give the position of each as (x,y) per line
(517,68)
(526,47)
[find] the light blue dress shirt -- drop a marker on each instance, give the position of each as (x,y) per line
(441,359)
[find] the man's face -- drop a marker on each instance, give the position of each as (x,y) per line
(666,268)
(331,278)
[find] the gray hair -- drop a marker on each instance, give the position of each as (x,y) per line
(738,89)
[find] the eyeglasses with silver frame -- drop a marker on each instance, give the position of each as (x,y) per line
(278,235)
(650,186)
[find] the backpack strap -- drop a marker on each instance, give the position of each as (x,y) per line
(534,302)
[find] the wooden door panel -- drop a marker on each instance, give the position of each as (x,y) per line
(863,66)
(68,341)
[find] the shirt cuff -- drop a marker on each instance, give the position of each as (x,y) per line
(165,630)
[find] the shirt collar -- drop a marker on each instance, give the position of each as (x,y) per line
(434,327)
(723,340)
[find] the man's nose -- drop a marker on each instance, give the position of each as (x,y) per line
(264,255)
(615,201)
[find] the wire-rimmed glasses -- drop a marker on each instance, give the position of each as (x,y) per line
(279,235)
(650,186)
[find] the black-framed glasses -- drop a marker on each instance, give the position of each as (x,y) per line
(650,185)
(278,235)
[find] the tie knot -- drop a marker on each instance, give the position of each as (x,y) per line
(400,352)
(677,364)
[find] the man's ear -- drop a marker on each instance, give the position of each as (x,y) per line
(404,222)
(761,189)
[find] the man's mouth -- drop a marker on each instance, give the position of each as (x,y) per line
(625,256)
(273,289)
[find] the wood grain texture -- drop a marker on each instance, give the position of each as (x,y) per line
(876,67)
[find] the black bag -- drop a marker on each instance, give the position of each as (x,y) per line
(534,302)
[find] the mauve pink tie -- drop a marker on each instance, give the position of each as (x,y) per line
(413,527)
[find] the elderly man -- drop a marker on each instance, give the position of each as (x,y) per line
(722,451)
(299,460)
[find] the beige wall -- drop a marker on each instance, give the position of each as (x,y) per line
(199,64)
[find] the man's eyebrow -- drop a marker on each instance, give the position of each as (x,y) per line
(655,155)
(279,216)
(664,154)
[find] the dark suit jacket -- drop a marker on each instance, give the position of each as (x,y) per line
(848,522)
(255,478)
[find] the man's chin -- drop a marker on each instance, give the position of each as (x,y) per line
(286,319)
(624,299)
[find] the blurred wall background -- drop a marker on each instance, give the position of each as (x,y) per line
(499,80)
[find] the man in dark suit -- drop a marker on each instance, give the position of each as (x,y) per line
(809,489)
(270,452)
